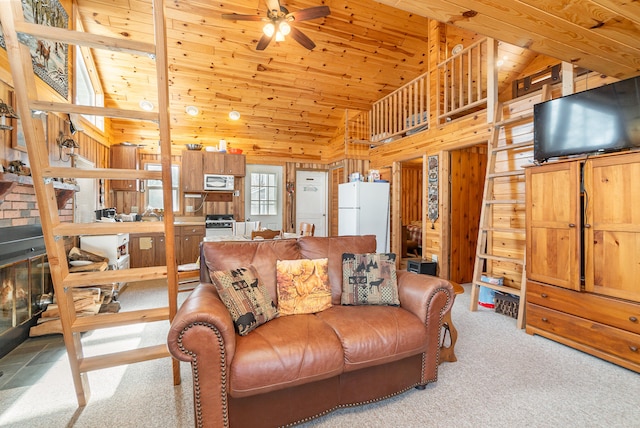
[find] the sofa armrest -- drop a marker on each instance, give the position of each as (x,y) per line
(420,294)
(202,333)
(202,322)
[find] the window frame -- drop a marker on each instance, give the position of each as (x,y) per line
(175,185)
(263,195)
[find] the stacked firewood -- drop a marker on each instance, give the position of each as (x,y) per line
(87,301)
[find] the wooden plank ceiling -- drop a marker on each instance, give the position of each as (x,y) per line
(289,96)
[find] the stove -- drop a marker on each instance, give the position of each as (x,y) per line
(219,224)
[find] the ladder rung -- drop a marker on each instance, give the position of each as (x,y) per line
(514,119)
(95,322)
(98,362)
(106,173)
(503,230)
(503,201)
(77,229)
(85,279)
(86,39)
(506,173)
(93,111)
(512,146)
(497,287)
(500,258)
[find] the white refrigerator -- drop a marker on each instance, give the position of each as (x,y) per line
(363,209)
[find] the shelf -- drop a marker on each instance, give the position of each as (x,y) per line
(8,180)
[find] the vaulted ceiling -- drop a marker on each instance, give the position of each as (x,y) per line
(289,95)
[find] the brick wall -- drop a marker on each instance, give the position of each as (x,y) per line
(20,208)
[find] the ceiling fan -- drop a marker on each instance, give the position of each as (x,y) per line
(280,22)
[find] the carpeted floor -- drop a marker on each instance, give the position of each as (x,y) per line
(503,378)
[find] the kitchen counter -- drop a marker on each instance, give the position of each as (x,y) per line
(188,221)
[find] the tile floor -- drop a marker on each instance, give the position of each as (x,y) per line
(30,360)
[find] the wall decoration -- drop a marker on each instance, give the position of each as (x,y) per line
(432,183)
(50,58)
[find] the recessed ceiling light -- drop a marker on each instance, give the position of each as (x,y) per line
(192,110)
(234,115)
(146,105)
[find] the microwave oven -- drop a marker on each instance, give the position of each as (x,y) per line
(218,182)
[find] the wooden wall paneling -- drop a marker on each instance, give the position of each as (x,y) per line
(411,192)
(395,210)
(336,176)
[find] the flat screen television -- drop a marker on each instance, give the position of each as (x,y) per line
(602,119)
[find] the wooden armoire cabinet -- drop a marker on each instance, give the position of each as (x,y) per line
(583,255)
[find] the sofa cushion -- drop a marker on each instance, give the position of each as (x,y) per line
(245,297)
(285,352)
(315,247)
(369,279)
(303,286)
(372,335)
(260,254)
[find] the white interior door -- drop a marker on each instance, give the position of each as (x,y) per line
(311,200)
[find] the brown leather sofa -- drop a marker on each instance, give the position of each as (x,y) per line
(297,367)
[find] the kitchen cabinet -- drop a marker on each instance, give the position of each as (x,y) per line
(147,250)
(191,174)
(582,255)
(224,163)
(188,239)
(124,157)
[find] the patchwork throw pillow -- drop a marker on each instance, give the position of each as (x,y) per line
(303,286)
(369,279)
(247,300)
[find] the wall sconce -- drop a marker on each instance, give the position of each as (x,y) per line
(66,146)
(6,111)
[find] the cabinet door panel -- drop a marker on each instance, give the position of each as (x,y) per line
(124,157)
(553,224)
(214,163)
(612,211)
(191,171)
(235,165)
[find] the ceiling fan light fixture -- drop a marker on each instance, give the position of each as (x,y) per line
(284,28)
(269,29)
(279,37)
(234,115)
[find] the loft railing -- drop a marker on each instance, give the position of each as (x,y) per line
(462,88)
(462,80)
(401,112)
(359,128)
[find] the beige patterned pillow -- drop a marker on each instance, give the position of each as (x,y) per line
(369,279)
(245,297)
(303,286)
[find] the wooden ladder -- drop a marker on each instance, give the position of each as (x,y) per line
(14,28)
(508,143)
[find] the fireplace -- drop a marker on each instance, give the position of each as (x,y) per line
(25,283)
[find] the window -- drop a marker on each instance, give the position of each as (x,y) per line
(154,195)
(86,92)
(263,194)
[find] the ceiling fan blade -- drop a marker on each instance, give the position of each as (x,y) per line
(310,13)
(238,17)
(263,42)
(301,38)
